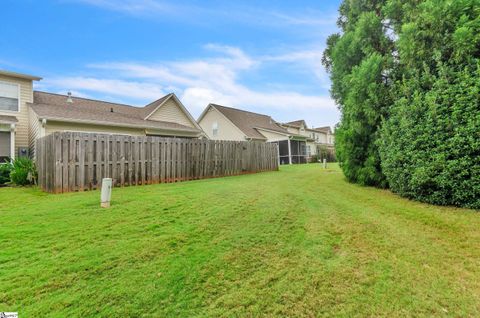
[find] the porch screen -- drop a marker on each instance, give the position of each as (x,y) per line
(4,146)
(283,152)
(299,151)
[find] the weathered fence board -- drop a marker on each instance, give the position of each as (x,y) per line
(69,161)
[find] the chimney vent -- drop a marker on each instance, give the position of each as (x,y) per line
(69,98)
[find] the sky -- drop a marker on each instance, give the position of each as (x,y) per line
(262,56)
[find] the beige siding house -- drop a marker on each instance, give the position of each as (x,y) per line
(317,138)
(26,115)
(227,123)
(218,126)
(16,92)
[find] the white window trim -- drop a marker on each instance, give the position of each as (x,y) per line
(11,130)
(18,98)
(215,129)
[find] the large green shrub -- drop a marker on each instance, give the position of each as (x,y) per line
(430,145)
(5,169)
(23,171)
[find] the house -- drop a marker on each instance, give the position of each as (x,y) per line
(26,115)
(226,123)
(317,138)
(325,135)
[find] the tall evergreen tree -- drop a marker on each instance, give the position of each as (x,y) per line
(360,61)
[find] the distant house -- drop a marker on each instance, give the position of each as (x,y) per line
(317,138)
(226,123)
(26,115)
(325,135)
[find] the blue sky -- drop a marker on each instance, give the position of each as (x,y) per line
(263,56)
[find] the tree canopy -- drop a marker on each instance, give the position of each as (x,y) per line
(405,75)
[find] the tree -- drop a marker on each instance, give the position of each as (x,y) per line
(360,61)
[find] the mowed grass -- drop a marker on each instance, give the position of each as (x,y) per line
(299,242)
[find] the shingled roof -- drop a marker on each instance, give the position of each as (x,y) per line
(325,129)
(55,107)
(297,123)
(249,122)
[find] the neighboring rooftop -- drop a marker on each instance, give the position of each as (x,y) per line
(249,122)
(325,129)
(20,75)
(56,107)
(297,123)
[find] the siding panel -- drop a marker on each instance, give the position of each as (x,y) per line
(171,112)
(226,130)
(33,131)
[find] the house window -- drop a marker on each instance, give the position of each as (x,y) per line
(4,146)
(215,129)
(8,97)
(309,151)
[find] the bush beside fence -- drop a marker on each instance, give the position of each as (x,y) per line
(70,161)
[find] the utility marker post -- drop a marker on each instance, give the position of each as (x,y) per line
(106,192)
(324,163)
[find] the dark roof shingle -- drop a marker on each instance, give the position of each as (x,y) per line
(54,106)
(297,123)
(248,122)
(325,129)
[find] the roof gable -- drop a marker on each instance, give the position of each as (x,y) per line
(249,122)
(211,114)
(297,123)
(153,106)
(169,108)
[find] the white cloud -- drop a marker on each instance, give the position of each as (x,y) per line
(202,81)
(310,60)
(225,12)
(118,88)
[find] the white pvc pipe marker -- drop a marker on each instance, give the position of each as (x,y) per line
(106,192)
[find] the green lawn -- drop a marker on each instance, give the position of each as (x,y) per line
(298,242)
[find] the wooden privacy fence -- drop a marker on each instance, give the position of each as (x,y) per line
(70,161)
